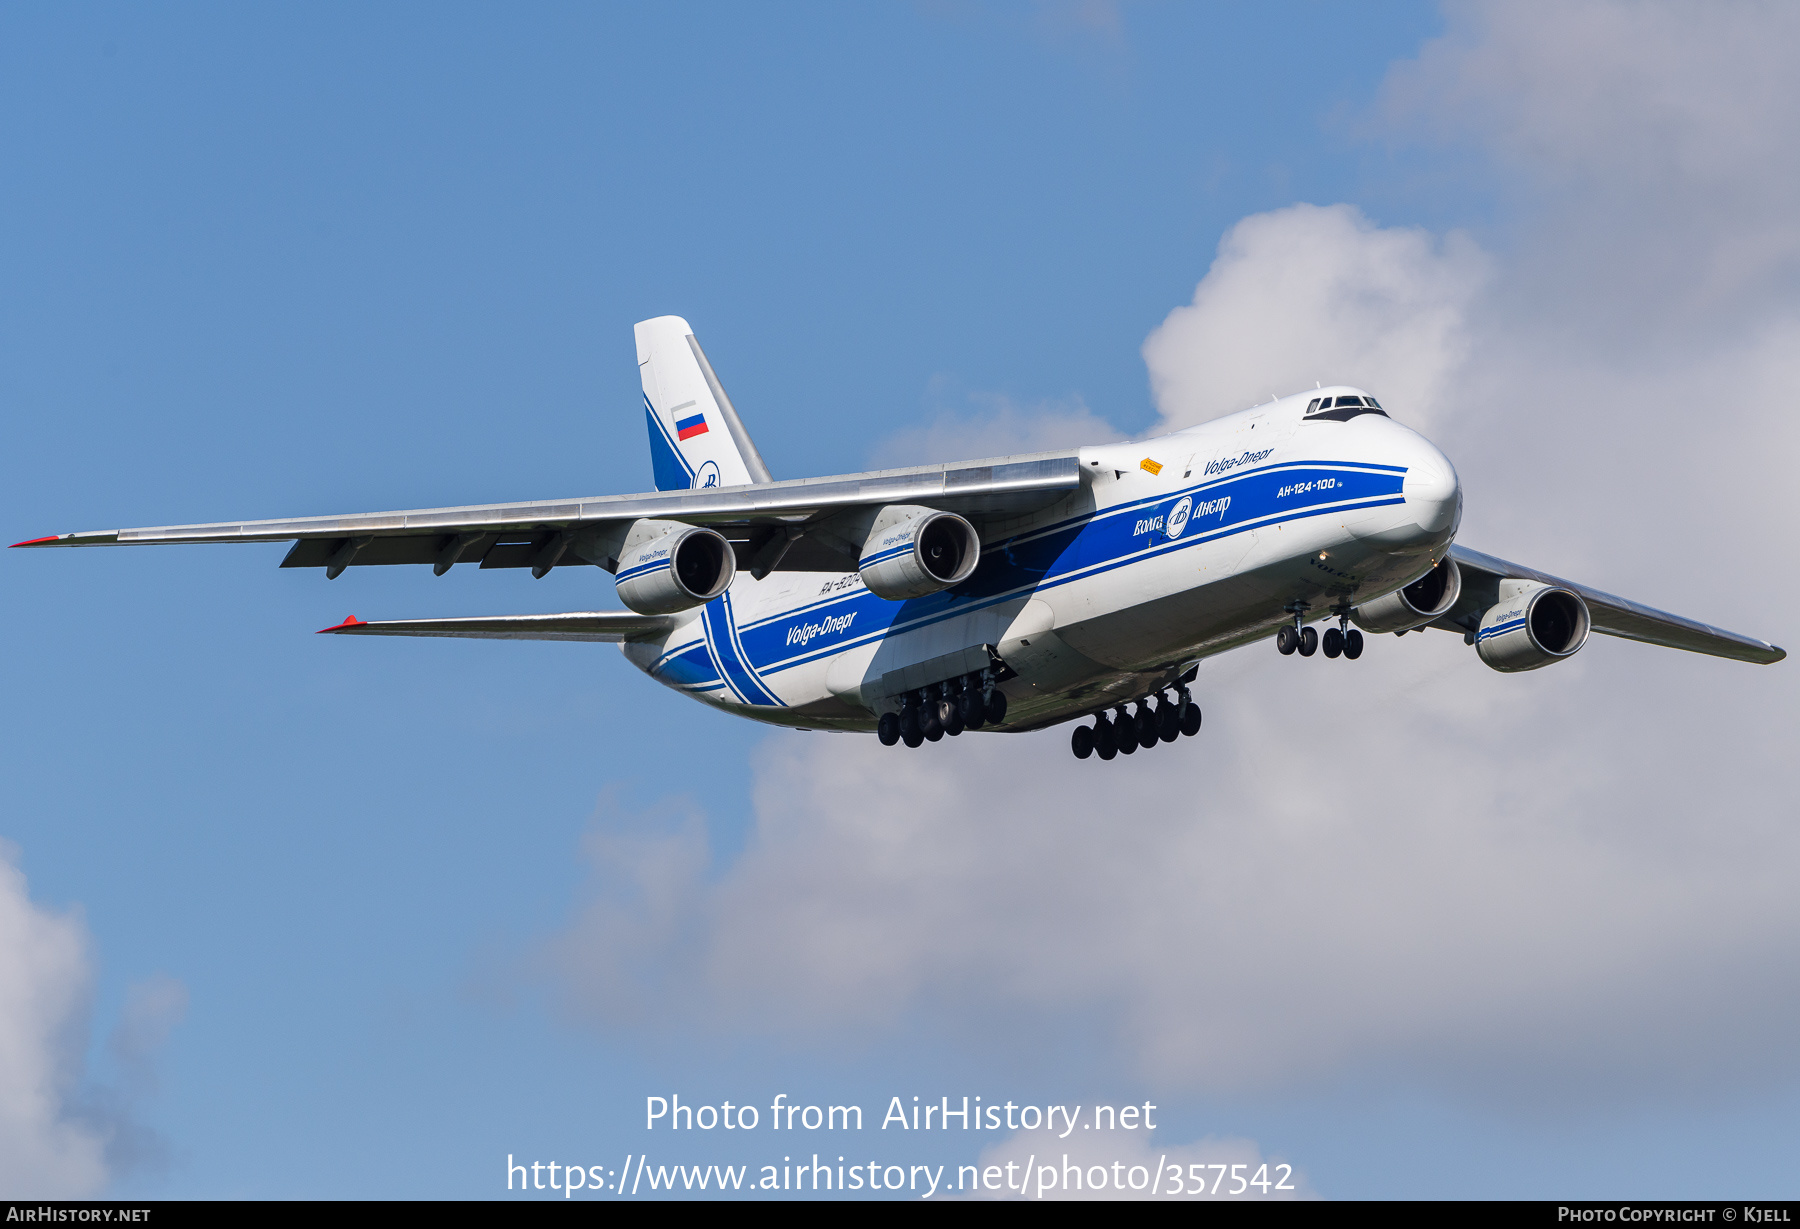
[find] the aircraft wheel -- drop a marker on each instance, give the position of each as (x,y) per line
(909,725)
(1147,732)
(969,703)
(913,739)
(1106,739)
(996,707)
(1332,642)
(1287,640)
(1353,644)
(1126,729)
(888,729)
(929,725)
(1081,742)
(950,716)
(1309,641)
(1168,721)
(1190,719)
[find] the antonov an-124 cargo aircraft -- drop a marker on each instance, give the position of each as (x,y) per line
(1006,594)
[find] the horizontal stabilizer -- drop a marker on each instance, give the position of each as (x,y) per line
(1612,616)
(592,625)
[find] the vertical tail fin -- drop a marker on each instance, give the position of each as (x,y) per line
(696,437)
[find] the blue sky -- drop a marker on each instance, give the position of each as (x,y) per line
(339,905)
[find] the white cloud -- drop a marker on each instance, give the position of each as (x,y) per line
(62,1135)
(994,425)
(1573,884)
(1650,146)
(45,1150)
(1309,294)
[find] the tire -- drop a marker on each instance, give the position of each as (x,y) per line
(936,735)
(1309,641)
(1168,722)
(913,739)
(1081,742)
(1353,644)
(888,729)
(1190,720)
(1287,640)
(1148,732)
(929,725)
(1106,739)
(1332,642)
(951,718)
(909,725)
(996,707)
(1126,730)
(969,702)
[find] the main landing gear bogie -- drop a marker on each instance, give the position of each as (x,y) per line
(944,710)
(1126,732)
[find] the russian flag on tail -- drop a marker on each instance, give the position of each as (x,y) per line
(688,428)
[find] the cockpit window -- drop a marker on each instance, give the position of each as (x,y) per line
(1342,409)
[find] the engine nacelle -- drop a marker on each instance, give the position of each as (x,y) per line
(1532,625)
(666,567)
(912,551)
(1427,598)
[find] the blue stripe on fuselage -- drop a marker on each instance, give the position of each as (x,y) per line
(1077,548)
(721,636)
(1057,554)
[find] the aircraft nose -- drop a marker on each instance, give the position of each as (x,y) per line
(1433,491)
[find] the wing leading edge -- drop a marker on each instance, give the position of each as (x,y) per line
(1613,616)
(606,626)
(533,534)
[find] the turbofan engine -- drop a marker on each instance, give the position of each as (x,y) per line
(1533,625)
(666,566)
(1427,598)
(912,551)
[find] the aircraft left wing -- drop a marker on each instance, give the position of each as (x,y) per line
(602,625)
(1613,616)
(538,534)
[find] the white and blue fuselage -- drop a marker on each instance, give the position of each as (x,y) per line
(1174,548)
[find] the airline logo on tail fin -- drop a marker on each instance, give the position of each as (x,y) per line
(696,437)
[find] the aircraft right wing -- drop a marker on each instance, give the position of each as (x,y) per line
(609,626)
(1612,616)
(538,535)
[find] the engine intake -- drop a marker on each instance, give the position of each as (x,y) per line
(666,567)
(1427,598)
(1533,626)
(912,551)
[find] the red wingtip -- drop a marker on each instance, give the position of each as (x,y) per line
(35,541)
(349,621)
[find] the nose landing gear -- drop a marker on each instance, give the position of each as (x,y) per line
(1340,641)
